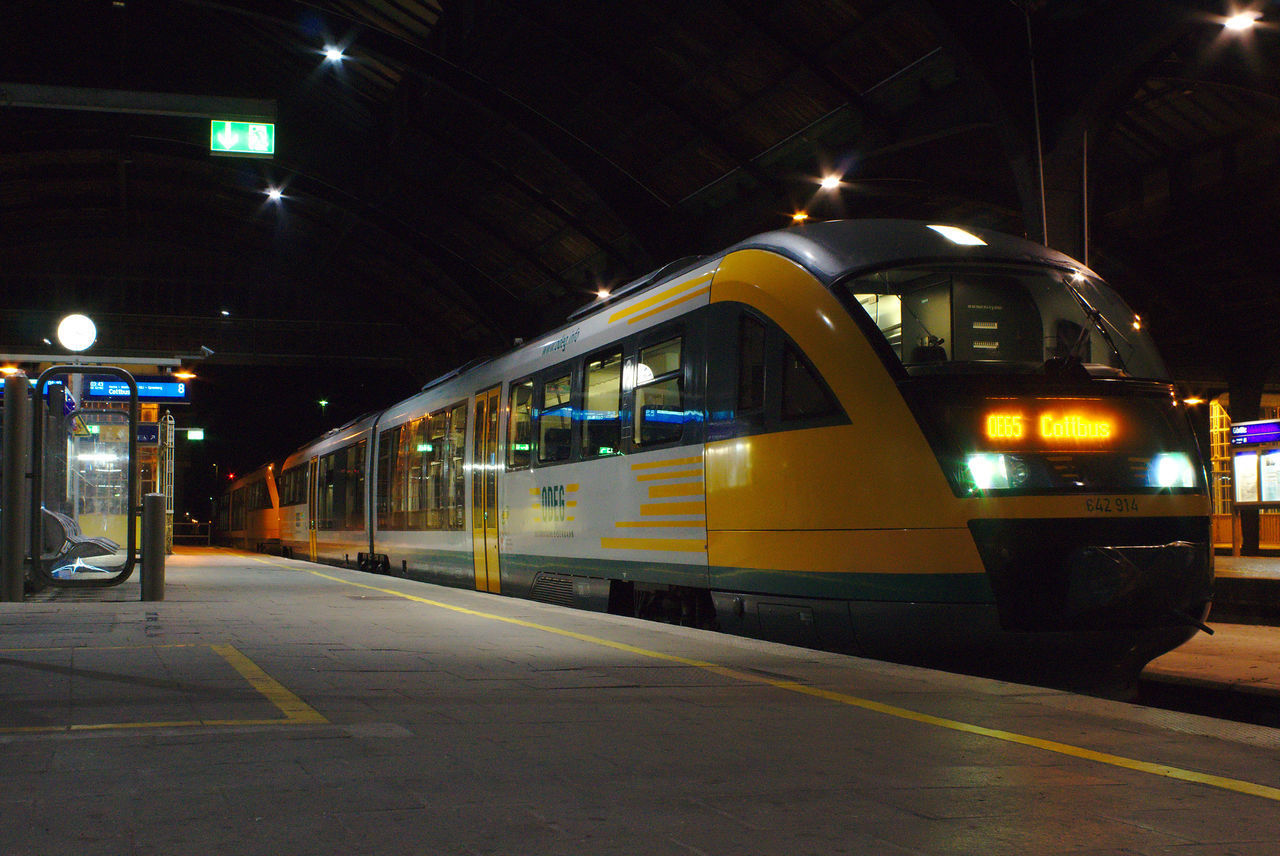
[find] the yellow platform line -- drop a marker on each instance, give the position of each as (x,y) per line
(1149,767)
(295,710)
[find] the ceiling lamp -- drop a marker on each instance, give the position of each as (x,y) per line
(1242,21)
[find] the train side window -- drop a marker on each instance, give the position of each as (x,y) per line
(237,509)
(416,450)
(659,409)
(388,461)
(355,486)
(555,421)
(601,392)
(520,425)
(340,499)
(804,395)
(751,363)
(449,480)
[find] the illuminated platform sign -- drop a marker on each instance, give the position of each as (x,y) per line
(158,389)
(242,139)
(1251,433)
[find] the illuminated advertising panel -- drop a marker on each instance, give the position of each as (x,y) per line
(1269,475)
(1245,476)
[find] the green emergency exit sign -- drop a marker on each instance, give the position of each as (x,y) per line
(243,139)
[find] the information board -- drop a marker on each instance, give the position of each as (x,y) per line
(162,389)
(1252,433)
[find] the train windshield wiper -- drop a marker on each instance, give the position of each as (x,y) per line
(1099,322)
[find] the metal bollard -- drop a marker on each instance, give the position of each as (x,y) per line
(153,544)
(13,499)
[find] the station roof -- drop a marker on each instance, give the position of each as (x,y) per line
(470,171)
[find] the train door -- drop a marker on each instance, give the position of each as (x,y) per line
(484,490)
(312,468)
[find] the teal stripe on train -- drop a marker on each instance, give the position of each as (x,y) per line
(518,572)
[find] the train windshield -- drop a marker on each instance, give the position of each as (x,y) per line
(955,319)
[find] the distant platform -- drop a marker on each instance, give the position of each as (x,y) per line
(1246,590)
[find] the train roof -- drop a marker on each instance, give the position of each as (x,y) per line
(832,251)
(836,249)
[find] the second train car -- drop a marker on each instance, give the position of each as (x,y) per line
(892,437)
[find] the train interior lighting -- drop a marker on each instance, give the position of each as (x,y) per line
(955,320)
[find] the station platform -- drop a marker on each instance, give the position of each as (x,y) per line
(272,706)
(1247,589)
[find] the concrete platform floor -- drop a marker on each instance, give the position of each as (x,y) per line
(269,706)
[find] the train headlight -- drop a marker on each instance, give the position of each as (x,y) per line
(992,471)
(988,471)
(1171,469)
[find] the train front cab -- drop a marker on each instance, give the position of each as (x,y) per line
(966,499)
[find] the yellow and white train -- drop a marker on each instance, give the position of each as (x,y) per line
(881,436)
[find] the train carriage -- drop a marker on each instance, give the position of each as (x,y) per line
(885,436)
(249,512)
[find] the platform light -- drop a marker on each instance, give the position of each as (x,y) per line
(334,54)
(77,332)
(1193,401)
(830,182)
(956,235)
(9,370)
(1242,21)
(1137,322)
(602,293)
(275,194)
(799,217)
(185,375)
(225,313)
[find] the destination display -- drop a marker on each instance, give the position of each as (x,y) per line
(161,389)
(1050,423)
